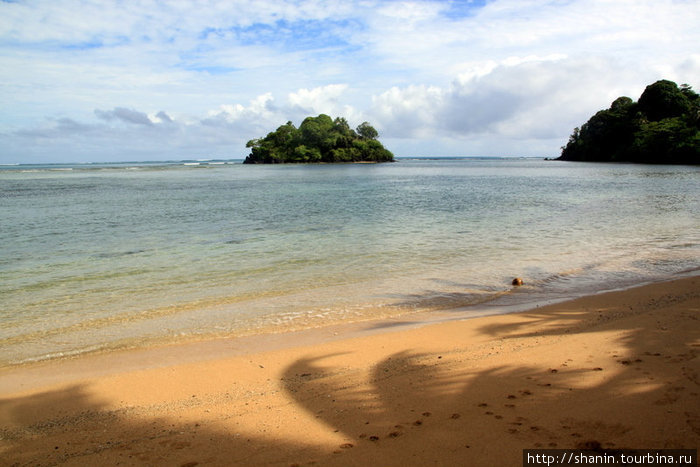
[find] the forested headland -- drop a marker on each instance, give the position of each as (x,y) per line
(318,139)
(662,127)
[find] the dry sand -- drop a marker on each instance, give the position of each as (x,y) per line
(619,369)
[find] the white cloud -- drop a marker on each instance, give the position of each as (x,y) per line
(409,111)
(324,99)
(124,115)
(261,107)
(518,97)
(453,76)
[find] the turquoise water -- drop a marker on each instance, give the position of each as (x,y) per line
(105,256)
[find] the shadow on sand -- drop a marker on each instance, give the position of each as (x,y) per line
(409,409)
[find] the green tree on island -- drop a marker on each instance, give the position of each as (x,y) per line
(663,127)
(318,139)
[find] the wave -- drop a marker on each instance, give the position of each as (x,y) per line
(126,165)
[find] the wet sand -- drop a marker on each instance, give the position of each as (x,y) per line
(615,370)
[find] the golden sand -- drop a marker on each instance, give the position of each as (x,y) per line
(619,370)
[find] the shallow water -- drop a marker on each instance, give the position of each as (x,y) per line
(106,256)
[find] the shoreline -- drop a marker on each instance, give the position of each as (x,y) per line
(617,368)
(264,339)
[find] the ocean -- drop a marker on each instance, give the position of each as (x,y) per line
(98,257)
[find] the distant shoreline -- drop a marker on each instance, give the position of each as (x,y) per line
(236,161)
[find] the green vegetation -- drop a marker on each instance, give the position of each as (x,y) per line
(318,139)
(663,127)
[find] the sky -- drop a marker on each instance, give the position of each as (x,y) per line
(132,80)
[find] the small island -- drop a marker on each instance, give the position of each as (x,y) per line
(318,139)
(663,127)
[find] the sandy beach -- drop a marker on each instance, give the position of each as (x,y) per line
(615,370)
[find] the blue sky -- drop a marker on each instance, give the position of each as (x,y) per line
(94,80)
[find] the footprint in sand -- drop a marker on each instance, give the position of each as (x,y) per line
(396,433)
(693,422)
(670,396)
(590,445)
(178,444)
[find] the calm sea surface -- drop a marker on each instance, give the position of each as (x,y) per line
(120,255)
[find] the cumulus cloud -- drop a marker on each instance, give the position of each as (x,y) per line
(451,76)
(526,98)
(221,132)
(125,115)
(242,122)
(409,111)
(55,129)
(324,99)
(162,117)
(265,112)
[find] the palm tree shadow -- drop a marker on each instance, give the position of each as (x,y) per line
(364,411)
(414,409)
(409,409)
(70,427)
(530,405)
